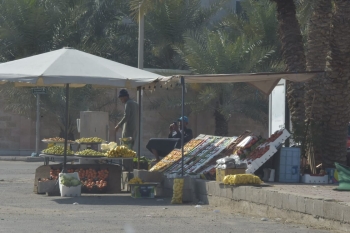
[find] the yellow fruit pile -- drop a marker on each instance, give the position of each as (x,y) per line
(89,152)
(135,180)
(177,191)
(121,152)
(90,140)
(242,179)
(57,150)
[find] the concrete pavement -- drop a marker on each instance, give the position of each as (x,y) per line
(21,211)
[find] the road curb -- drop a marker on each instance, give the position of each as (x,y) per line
(316,212)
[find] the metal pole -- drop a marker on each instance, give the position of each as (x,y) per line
(141,39)
(139,90)
(182,123)
(139,100)
(66,130)
(37,130)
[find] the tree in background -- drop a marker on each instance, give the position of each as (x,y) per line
(337,86)
(317,47)
(29,27)
(294,58)
(237,44)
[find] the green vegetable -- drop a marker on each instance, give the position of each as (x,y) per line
(69,181)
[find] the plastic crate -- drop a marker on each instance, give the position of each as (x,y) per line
(315,179)
(73,191)
(289,165)
(142,190)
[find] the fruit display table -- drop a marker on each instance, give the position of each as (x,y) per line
(56,158)
(89,171)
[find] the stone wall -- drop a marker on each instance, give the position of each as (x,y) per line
(17,133)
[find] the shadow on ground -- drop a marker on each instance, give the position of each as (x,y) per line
(113,200)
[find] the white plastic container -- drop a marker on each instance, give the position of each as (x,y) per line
(73,191)
(314,179)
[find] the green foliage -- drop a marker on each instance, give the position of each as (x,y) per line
(29,27)
(237,44)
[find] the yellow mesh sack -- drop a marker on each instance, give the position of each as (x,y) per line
(242,179)
(177,191)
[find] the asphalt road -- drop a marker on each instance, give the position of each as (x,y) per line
(23,211)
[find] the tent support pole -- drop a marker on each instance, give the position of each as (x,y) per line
(139,100)
(182,124)
(286,115)
(37,126)
(66,130)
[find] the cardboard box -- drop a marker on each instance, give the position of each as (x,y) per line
(48,186)
(221,173)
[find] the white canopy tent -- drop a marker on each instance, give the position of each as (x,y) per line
(72,68)
(265,82)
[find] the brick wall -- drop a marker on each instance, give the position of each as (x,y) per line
(17,133)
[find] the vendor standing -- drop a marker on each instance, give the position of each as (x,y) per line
(130,120)
(161,147)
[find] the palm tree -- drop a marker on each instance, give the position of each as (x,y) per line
(238,44)
(37,26)
(165,24)
(337,86)
(316,53)
(294,57)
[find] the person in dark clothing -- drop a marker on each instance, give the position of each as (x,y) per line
(176,131)
(161,147)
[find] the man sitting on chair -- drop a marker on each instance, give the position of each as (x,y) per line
(161,147)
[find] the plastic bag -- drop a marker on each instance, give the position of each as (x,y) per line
(242,179)
(177,191)
(225,160)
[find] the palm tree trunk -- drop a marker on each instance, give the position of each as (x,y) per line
(294,57)
(318,46)
(337,86)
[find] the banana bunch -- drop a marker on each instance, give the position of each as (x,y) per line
(242,179)
(57,150)
(121,152)
(90,140)
(135,180)
(89,152)
(177,191)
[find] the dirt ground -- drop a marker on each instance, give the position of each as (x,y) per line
(23,211)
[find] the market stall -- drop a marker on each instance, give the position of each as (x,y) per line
(93,162)
(208,154)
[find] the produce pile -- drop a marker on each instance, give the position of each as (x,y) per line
(90,140)
(177,191)
(275,135)
(135,180)
(259,151)
(54,174)
(167,161)
(106,147)
(192,144)
(242,179)
(121,152)
(57,150)
(93,180)
(89,152)
(55,139)
(69,181)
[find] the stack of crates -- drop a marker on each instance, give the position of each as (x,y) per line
(289,165)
